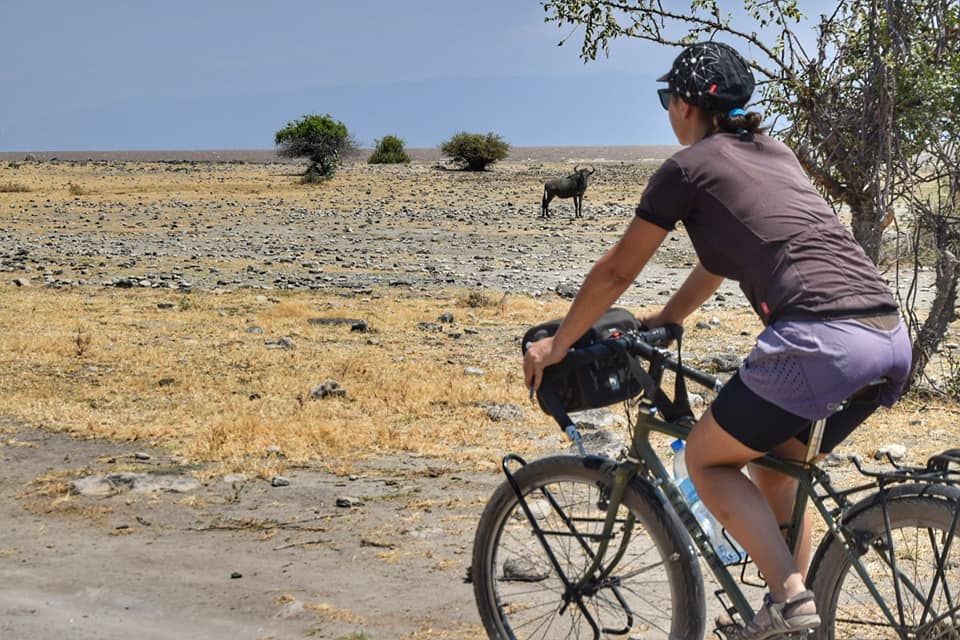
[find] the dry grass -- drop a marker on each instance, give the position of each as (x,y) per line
(194,379)
(14,187)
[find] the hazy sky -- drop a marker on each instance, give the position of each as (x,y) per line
(219,74)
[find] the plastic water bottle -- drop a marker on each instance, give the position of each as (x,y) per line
(728,554)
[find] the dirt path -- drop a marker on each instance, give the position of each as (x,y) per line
(232,560)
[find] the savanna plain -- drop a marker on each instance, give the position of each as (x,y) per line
(237,406)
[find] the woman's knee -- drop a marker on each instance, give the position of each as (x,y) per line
(709,445)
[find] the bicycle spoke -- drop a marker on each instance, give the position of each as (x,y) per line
(914,567)
(543,599)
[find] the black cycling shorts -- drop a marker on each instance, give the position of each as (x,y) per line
(762,425)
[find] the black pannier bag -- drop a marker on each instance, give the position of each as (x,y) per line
(607,381)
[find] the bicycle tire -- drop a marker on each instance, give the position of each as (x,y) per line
(656,590)
(920,526)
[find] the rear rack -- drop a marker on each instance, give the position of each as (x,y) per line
(942,468)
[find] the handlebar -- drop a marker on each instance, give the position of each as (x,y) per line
(646,344)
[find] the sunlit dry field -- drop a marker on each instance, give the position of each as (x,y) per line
(220,373)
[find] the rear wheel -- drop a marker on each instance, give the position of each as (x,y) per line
(655,591)
(926,553)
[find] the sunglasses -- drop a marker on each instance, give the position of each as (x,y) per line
(664,95)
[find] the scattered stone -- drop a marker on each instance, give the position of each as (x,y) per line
(473,371)
(568,291)
(346,502)
(279,481)
(521,569)
(895,451)
(328,389)
(723,362)
(254,329)
(429,326)
(602,443)
(165,382)
(290,610)
(833,460)
(165,305)
(140,455)
(236,575)
(351,322)
(286,342)
(505,413)
(696,400)
(274,450)
(446,318)
(594,419)
(110,484)
(21,282)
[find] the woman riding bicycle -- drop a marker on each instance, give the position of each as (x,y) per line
(831,322)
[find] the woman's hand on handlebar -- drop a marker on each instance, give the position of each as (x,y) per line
(539,355)
(654,320)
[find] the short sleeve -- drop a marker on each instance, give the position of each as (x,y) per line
(668,197)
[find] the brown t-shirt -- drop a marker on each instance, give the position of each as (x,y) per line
(754,216)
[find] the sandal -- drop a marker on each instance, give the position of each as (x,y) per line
(778,619)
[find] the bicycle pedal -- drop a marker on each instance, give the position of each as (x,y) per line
(727,631)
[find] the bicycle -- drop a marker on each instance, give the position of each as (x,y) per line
(582,546)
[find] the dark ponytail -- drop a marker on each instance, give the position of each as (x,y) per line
(738,121)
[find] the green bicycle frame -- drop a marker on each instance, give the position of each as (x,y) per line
(643,457)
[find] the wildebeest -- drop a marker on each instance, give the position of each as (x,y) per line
(573,186)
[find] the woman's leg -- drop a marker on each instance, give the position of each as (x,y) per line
(714,459)
(780,492)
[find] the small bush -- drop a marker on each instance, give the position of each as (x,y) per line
(389,150)
(474,150)
(478,299)
(77,190)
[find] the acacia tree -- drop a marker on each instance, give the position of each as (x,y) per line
(932,176)
(828,98)
(838,102)
(321,139)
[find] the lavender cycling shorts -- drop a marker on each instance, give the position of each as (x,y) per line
(809,367)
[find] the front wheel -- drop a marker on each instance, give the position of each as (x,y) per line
(655,590)
(916,571)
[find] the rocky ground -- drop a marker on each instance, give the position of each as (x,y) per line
(383,551)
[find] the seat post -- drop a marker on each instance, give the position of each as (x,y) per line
(816,439)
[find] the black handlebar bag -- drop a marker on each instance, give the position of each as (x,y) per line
(611,379)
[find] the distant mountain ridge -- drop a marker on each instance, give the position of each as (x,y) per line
(625,153)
